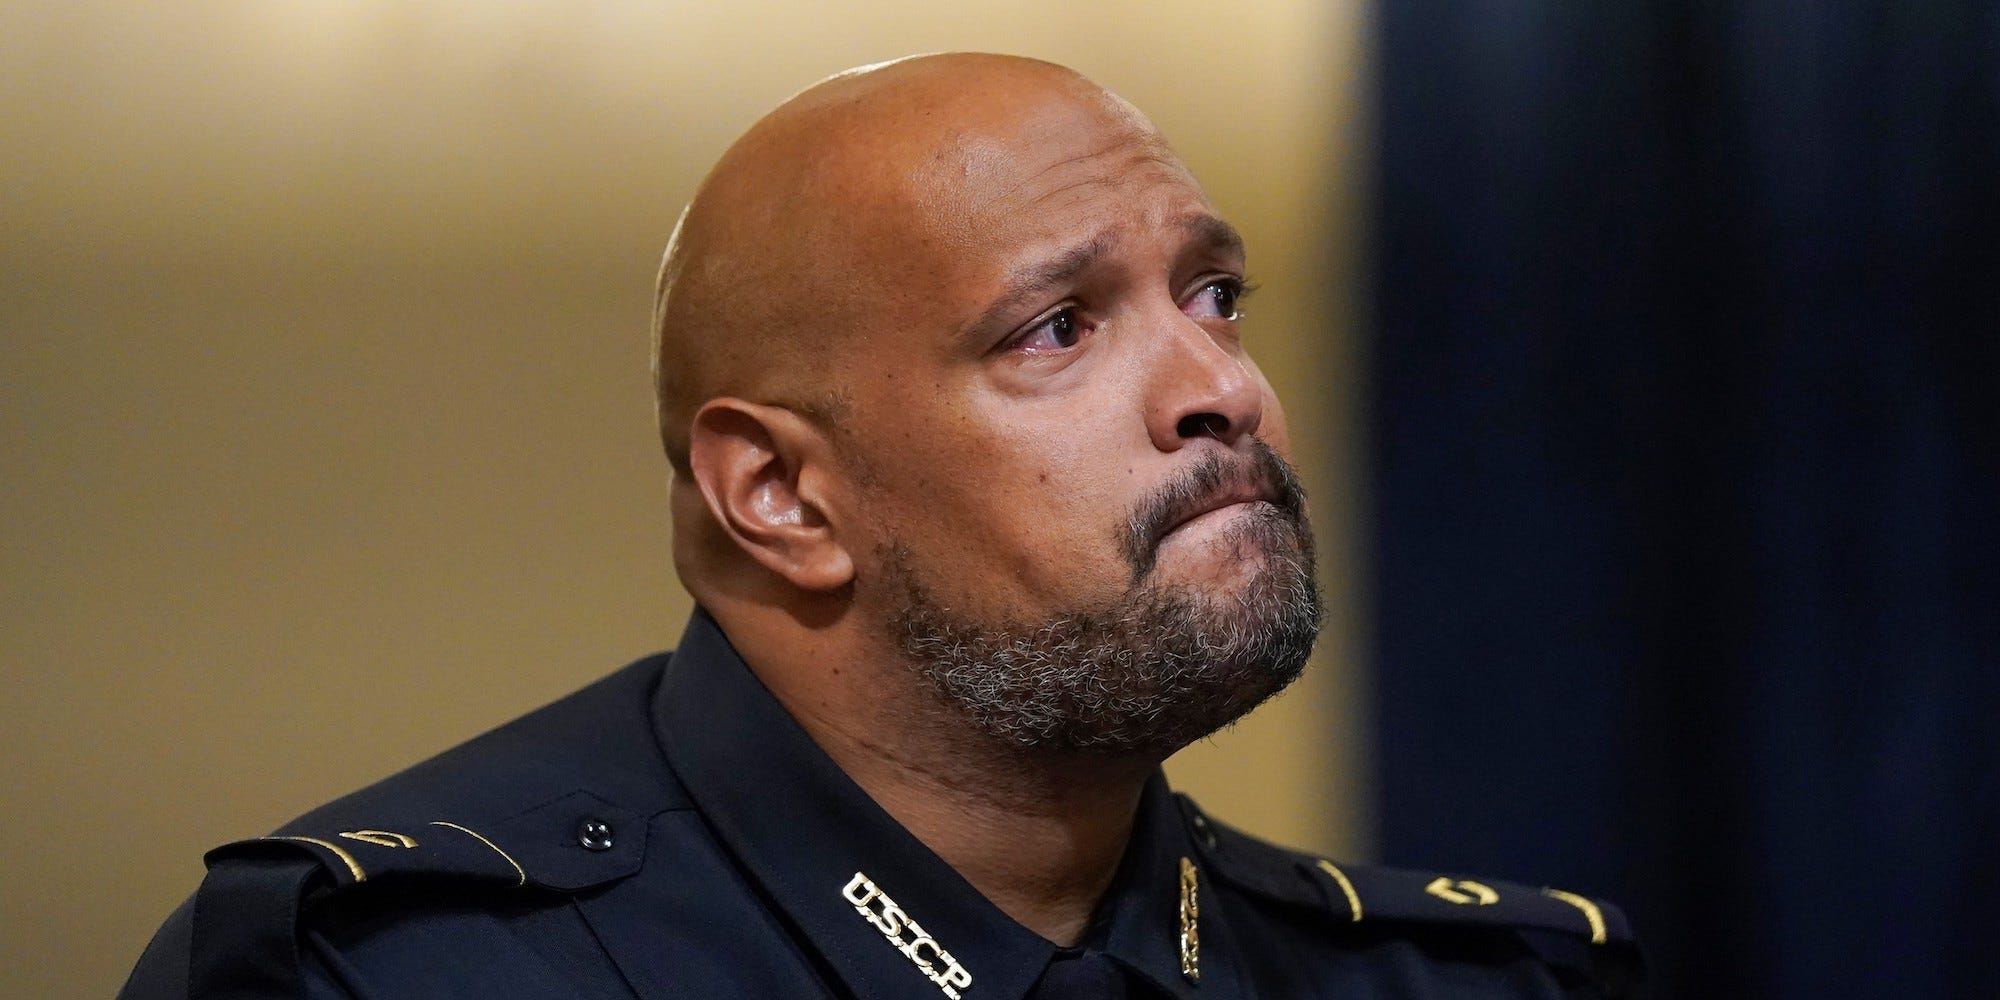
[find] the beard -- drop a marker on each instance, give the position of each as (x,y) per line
(1155,669)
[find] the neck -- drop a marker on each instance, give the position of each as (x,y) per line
(1039,833)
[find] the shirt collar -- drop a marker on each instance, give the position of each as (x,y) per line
(826,852)
(1143,907)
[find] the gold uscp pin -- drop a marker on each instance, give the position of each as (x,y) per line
(1190,931)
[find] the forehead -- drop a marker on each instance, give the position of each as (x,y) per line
(918,206)
(1058,178)
(1064,155)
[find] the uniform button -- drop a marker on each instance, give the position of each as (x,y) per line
(1201,829)
(594,834)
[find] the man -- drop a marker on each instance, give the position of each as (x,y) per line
(987,513)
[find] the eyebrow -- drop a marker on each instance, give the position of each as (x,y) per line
(1214,234)
(1032,281)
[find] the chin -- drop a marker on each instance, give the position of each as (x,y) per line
(1168,662)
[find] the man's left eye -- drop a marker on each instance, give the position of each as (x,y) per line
(1219,299)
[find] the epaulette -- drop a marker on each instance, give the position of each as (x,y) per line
(556,802)
(1565,928)
(571,843)
(256,890)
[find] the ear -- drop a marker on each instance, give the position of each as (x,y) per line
(762,472)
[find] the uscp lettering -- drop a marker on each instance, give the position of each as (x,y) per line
(907,935)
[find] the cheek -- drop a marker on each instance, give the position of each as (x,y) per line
(1057,500)
(1038,503)
(1274,430)
(1006,515)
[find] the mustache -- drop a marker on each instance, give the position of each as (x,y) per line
(1213,480)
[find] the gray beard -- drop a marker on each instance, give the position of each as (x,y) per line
(1159,668)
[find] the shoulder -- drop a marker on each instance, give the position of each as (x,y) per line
(1577,936)
(554,803)
(600,735)
(510,807)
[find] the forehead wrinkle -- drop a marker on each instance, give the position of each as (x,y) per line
(1146,153)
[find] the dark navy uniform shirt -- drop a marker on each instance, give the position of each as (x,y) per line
(670,831)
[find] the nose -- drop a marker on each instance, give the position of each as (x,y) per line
(1202,388)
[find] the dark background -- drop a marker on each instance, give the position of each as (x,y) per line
(1683,432)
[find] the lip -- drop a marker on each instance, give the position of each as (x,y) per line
(1218,509)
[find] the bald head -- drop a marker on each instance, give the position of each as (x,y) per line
(951,372)
(833,205)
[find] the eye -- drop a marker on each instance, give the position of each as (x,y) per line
(1061,330)
(1219,299)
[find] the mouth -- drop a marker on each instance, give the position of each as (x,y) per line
(1216,508)
(1218,490)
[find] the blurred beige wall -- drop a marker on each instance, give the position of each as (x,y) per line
(325,419)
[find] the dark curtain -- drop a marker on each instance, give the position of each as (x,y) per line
(1685,398)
